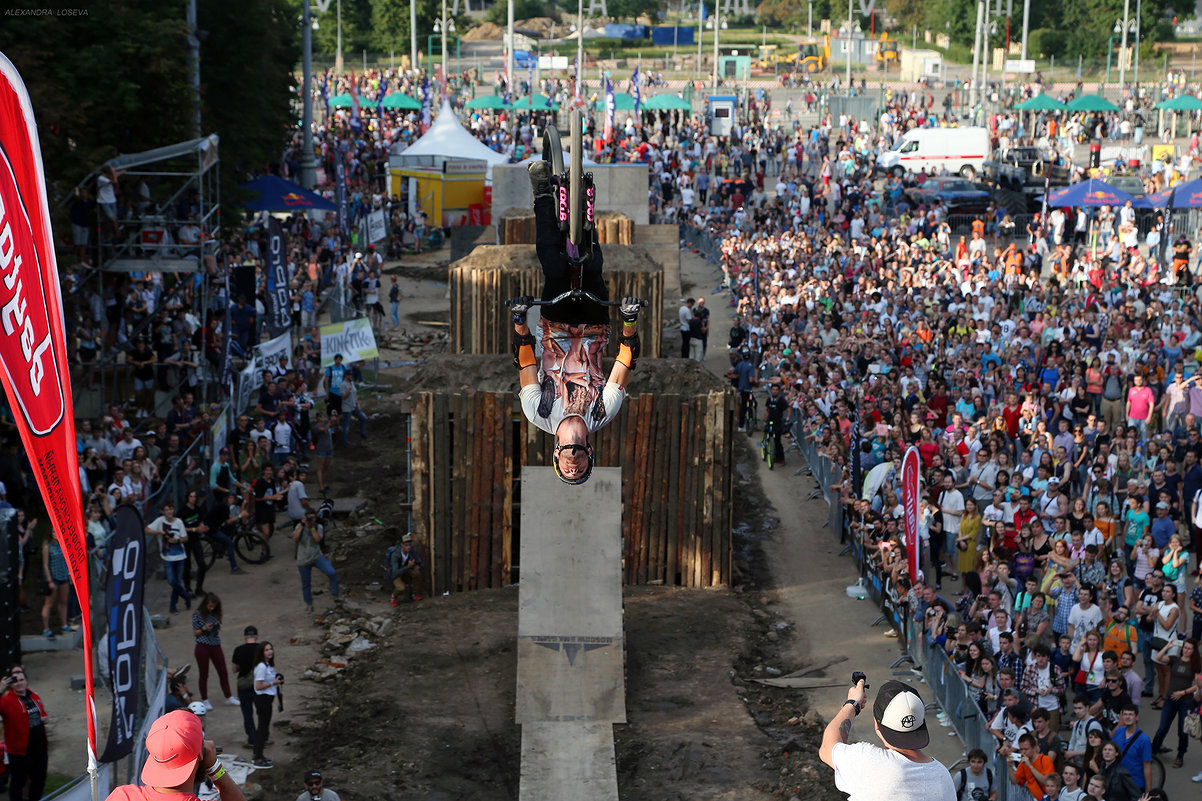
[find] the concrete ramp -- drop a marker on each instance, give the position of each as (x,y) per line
(570,680)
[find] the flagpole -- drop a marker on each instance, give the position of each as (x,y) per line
(308,162)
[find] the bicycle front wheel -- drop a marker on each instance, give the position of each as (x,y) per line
(252,547)
(208,552)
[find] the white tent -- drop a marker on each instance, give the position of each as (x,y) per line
(447,138)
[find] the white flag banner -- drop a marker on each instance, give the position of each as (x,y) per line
(267,356)
(354,339)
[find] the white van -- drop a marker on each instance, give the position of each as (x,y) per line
(957,150)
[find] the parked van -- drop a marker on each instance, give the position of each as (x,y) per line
(957,150)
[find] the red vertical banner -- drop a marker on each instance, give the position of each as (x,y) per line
(33,345)
(910,489)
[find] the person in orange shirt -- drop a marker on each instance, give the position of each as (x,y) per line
(978,226)
(1032,768)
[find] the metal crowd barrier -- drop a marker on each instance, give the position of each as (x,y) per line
(949,692)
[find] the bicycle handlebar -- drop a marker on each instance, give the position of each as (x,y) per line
(575,294)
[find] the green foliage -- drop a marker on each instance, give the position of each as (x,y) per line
(522,9)
(117,80)
(1042,43)
(246,80)
(96,89)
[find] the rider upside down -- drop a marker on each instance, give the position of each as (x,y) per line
(563,389)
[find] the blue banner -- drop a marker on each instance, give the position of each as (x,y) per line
(325,91)
(611,108)
(634,90)
(380,99)
(279,318)
(425,103)
(344,211)
(123,600)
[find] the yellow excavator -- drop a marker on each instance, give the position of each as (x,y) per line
(813,55)
(886,53)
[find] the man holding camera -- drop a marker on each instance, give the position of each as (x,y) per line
(898,772)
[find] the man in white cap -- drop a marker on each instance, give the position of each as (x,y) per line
(179,757)
(898,772)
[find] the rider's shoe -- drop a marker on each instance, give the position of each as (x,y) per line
(540,179)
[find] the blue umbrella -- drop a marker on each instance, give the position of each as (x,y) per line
(1186,195)
(1093,193)
(276,194)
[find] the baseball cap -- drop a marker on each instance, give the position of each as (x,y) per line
(174,743)
(1053,482)
(312,774)
(407,538)
(901,716)
(250,631)
(1162,505)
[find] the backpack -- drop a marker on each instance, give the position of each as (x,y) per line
(962,782)
(388,572)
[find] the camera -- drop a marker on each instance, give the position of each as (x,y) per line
(280,676)
(858,676)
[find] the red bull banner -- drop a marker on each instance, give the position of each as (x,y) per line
(911,466)
(33,348)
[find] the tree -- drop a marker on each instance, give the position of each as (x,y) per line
(247,82)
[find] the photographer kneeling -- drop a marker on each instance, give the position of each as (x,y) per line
(898,772)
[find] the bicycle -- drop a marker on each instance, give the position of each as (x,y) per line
(752,411)
(575,195)
(249,544)
(767,445)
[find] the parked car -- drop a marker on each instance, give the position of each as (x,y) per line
(957,195)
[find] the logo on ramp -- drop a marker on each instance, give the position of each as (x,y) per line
(572,646)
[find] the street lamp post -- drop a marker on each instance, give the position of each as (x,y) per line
(716,21)
(847,43)
(1139,31)
(308,162)
(443,30)
(579,46)
(338,59)
(700,8)
(1123,48)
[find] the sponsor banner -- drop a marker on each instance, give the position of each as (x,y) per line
(267,356)
(33,348)
(910,469)
(353,339)
(123,600)
(376,229)
(279,317)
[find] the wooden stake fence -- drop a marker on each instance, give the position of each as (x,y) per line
(675,451)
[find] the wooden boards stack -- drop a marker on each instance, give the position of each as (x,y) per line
(673,438)
(491,274)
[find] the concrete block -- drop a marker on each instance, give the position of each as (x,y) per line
(570,600)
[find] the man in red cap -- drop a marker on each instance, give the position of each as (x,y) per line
(178,759)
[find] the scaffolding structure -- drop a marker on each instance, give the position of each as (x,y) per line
(173,189)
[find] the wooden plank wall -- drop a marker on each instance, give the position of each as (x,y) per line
(468,451)
(480,321)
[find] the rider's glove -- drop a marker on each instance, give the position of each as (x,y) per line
(630,310)
(519,307)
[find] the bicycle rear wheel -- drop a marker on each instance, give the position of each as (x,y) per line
(768,446)
(208,552)
(252,547)
(553,149)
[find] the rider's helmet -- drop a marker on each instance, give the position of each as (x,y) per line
(197,708)
(573,447)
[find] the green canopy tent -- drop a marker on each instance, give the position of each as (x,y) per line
(540,102)
(666,103)
(1175,105)
(398,100)
(1091,103)
(1040,103)
(1181,103)
(487,102)
(342,101)
(622,102)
